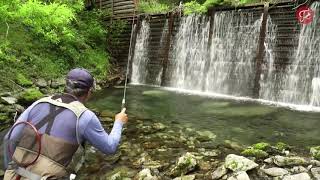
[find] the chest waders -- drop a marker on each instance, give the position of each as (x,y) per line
(56,153)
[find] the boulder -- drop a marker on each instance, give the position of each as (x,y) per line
(28,96)
(239,163)
(145,174)
(9,100)
(289,161)
(315,152)
(41,83)
(301,176)
(298,169)
(212,153)
(316,173)
(188,177)
(251,152)
(185,164)
(269,160)
(274,171)
(315,162)
(19,108)
(219,172)
(239,176)
(56,83)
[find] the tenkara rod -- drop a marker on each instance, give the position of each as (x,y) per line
(129,58)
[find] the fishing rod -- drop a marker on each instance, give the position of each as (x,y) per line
(127,70)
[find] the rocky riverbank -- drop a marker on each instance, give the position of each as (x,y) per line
(151,150)
(24,92)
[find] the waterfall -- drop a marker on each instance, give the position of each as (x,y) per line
(161,50)
(224,67)
(189,53)
(301,82)
(224,61)
(232,52)
(268,78)
(140,58)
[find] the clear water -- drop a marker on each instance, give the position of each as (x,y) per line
(239,121)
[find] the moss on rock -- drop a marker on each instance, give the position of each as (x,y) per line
(255,153)
(30,95)
(315,152)
(261,146)
(23,81)
(282,146)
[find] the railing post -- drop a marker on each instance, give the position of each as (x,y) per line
(167,48)
(260,52)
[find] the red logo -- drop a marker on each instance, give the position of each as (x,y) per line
(304,14)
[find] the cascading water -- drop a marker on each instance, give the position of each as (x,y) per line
(224,67)
(232,53)
(302,79)
(189,53)
(161,50)
(268,78)
(140,58)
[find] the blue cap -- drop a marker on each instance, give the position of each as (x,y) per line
(81,77)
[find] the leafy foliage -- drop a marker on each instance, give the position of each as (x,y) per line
(194,7)
(46,38)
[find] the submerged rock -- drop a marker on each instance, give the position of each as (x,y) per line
(239,163)
(315,172)
(185,164)
(239,176)
(233,145)
(301,176)
(205,136)
(289,161)
(154,93)
(219,172)
(158,126)
(275,171)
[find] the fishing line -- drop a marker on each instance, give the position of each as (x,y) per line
(129,57)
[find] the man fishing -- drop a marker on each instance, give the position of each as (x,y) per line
(64,124)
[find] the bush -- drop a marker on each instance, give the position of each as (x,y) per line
(22,80)
(194,7)
(153,7)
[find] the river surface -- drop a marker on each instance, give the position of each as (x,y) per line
(240,121)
